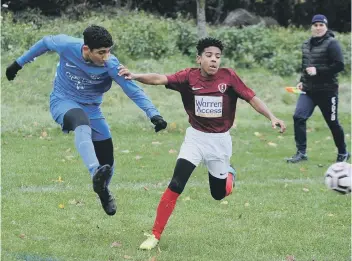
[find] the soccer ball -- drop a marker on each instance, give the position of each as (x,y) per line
(338,177)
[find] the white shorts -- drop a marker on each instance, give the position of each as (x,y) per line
(212,149)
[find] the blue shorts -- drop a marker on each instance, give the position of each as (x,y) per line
(100,128)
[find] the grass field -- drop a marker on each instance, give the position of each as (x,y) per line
(278,211)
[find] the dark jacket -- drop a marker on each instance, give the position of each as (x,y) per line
(324,53)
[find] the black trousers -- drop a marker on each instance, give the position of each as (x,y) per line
(327,101)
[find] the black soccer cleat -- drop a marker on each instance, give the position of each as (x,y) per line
(102,174)
(108,202)
(100,177)
(343,157)
(299,156)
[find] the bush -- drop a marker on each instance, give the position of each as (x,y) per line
(139,35)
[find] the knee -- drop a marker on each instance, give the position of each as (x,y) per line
(299,119)
(74,118)
(176,186)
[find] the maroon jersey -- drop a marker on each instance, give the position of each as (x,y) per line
(210,102)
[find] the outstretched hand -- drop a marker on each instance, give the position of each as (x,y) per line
(159,123)
(275,122)
(123,71)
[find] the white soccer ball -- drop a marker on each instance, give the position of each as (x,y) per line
(338,177)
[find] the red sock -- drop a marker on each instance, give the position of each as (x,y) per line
(166,206)
(229,184)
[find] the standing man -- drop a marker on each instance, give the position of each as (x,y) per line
(209,95)
(322,60)
(84,73)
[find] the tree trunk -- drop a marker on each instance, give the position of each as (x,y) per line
(201,21)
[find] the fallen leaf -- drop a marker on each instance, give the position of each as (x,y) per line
(138,157)
(68,150)
(146,188)
(331,215)
(246,204)
(305,189)
(187,198)
(302,169)
(257,134)
(156,142)
(127,257)
(290,258)
(172,151)
(69,157)
(125,151)
(44,134)
(153,258)
(35,123)
(224,202)
(172,126)
(61,206)
(272,144)
(116,244)
(22,236)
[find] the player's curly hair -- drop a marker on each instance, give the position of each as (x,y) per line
(97,37)
(207,42)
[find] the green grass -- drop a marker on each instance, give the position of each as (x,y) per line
(277,210)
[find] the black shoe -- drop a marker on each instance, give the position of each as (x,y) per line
(299,156)
(102,174)
(100,177)
(343,157)
(108,202)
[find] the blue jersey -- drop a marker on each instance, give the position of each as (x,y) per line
(82,81)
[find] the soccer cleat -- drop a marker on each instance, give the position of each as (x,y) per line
(149,243)
(108,202)
(101,175)
(299,156)
(343,157)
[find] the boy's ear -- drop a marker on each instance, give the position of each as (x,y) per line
(198,59)
(85,48)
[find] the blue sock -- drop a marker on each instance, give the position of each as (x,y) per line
(85,147)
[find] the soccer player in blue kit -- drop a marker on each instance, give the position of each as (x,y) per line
(84,73)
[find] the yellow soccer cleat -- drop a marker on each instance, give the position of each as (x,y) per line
(149,243)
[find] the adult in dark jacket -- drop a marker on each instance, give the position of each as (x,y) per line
(322,60)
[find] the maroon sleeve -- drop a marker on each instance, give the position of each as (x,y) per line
(240,88)
(177,80)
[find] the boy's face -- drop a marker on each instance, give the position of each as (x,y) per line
(209,60)
(318,29)
(97,56)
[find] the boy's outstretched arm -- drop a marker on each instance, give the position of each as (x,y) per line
(146,78)
(47,43)
(260,107)
(138,96)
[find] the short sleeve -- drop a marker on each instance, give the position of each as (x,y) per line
(240,88)
(177,80)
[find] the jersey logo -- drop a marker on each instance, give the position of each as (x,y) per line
(208,106)
(70,65)
(222,87)
(197,88)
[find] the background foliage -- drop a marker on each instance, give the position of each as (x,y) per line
(286,12)
(141,35)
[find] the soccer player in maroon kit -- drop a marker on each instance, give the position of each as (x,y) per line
(209,96)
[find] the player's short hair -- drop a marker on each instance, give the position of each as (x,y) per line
(96,37)
(207,42)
